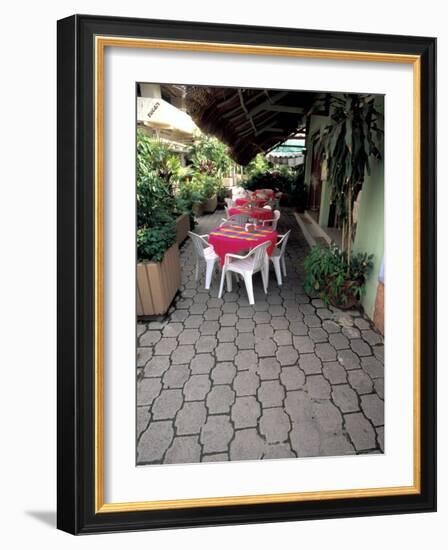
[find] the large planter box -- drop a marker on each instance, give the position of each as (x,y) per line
(198,209)
(211,204)
(182,228)
(227,182)
(157,283)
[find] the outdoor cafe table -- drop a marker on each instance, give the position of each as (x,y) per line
(234,239)
(253,213)
(247,201)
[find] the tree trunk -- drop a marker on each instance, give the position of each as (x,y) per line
(349,236)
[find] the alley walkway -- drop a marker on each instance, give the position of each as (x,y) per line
(220,380)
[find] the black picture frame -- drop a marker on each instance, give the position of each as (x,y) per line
(76,286)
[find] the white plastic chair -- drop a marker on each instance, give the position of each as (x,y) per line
(278,257)
(256,260)
(274,221)
(204,253)
(229,202)
(238,219)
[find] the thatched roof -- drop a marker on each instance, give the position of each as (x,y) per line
(249,121)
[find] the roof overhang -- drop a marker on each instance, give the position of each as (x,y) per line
(249,121)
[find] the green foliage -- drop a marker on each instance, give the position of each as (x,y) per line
(278,179)
(209,157)
(153,242)
(336,279)
(347,143)
(289,181)
(257,166)
(158,170)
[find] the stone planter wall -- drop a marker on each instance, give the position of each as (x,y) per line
(157,283)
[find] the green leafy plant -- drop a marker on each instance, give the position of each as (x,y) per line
(158,170)
(335,278)
(258,165)
(209,156)
(348,143)
(153,242)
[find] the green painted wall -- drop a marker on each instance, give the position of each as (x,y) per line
(370,231)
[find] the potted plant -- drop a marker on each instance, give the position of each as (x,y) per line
(210,161)
(210,193)
(335,278)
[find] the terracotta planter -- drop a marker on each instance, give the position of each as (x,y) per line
(182,228)
(157,283)
(211,204)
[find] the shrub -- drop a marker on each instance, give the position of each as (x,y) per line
(153,242)
(209,157)
(335,279)
(158,170)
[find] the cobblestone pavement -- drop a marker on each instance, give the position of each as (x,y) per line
(220,380)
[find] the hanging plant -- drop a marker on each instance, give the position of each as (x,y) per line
(347,144)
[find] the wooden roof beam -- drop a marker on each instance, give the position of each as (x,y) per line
(236,109)
(285,109)
(263,106)
(243,106)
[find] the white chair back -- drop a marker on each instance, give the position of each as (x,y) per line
(276,218)
(259,254)
(281,245)
(199,244)
(229,202)
(238,219)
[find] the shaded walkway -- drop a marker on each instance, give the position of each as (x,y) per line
(218,379)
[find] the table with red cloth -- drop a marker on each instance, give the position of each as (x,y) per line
(253,213)
(269,193)
(233,238)
(243,201)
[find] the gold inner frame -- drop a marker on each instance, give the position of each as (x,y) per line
(101,42)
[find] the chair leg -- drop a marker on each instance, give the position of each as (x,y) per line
(278,271)
(283,265)
(249,288)
(229,281)
(221,285)
(196,276)
(209,274)
(265,277)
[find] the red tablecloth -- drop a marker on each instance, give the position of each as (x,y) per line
(255,213)
(233,238)
(254,201)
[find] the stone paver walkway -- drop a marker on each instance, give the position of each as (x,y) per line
(220,380)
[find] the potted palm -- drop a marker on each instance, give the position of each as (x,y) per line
(347,144)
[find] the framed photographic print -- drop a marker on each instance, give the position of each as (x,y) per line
(246,274)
